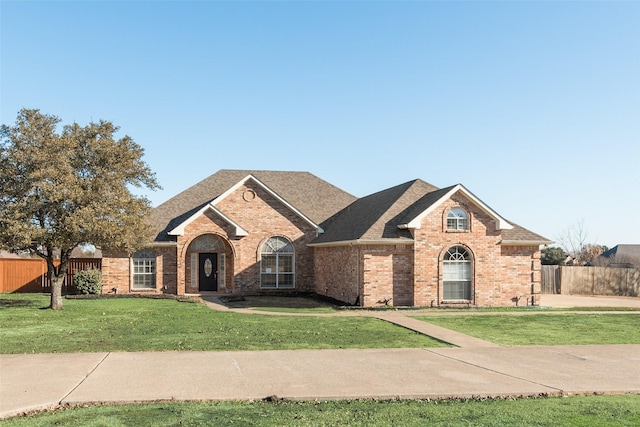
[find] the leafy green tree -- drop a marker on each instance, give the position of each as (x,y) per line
(59,190)
(553,256)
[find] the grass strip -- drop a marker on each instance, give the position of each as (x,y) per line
(614,411)
(546,329)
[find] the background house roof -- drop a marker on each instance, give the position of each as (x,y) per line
(314,197)
(623,255)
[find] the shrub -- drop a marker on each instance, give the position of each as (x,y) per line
(88,282)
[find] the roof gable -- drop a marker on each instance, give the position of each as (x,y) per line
(415,222)
(315,199)
(388,215)
(179,230)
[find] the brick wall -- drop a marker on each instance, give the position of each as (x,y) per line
(501,274)
(116,272)
(387,275)
(338,273)
(262,216)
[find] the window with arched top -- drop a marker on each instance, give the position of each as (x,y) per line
(456,280)
(457,219)
(144,269)
(277,263)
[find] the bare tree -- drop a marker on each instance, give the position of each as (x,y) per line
(574,242)
(573,239)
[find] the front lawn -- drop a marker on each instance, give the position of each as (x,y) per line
(546,329)
(138,324)
(611,411)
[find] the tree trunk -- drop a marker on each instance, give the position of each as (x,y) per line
(56,292)
(56,278)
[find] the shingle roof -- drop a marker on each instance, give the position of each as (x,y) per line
(314,197)
(623,251)
(377,216)
(342,216)
(521,234)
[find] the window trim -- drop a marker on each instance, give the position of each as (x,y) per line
(148,259)
(276,246)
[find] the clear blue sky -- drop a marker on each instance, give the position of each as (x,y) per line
(533,106)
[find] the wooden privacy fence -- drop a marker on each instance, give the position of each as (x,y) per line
(30,274)
(569,280)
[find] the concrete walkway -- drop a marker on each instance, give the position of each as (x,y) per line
(40,381)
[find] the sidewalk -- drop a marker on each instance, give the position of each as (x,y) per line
(40,381)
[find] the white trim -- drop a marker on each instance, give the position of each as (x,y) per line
(525,242)
(360,242)
(179,230)
(501,223)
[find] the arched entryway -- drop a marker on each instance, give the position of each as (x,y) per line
(207,261)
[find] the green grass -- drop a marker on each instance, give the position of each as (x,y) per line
(138,324)
(614,411)
(546,329)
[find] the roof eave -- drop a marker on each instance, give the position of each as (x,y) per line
(415,223)
(525,242)
(361,242)
(179,230)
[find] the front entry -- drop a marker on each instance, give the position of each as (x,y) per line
(208,271)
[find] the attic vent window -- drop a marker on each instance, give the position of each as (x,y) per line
(248,195)
(457,220)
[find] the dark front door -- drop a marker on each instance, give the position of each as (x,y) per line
(208,271)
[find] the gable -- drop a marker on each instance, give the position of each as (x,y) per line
(389,216)
(415,222)
(313,198)
(240,232)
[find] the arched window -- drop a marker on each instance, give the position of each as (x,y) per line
(144,270)
(456,274)
(457,220)
(276,264)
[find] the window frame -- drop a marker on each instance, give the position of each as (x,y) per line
(143,270)
(457,273)
(281,255)
(458,222)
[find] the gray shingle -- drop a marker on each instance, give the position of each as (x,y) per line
(314,197)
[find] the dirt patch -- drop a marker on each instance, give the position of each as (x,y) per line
(275,302)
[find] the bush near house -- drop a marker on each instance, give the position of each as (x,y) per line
(88,282)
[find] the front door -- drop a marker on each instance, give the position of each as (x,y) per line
(208,271)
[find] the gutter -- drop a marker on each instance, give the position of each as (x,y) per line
(525,242)
(361,242)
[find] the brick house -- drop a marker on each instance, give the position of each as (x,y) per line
(248,232)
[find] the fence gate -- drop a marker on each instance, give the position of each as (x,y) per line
(550,279)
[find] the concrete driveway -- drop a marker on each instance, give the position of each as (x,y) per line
(568,301)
